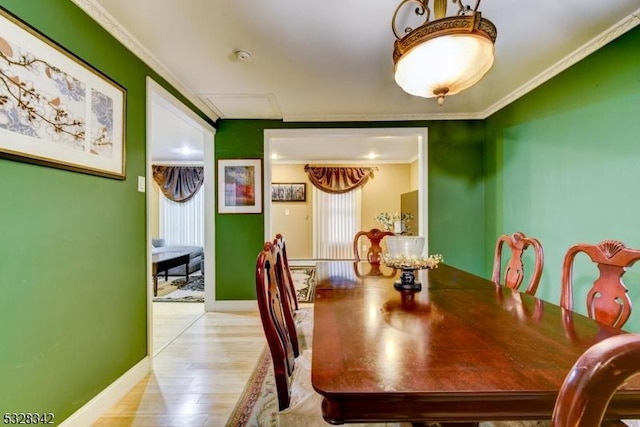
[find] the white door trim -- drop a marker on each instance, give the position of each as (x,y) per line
(158,97)
(421,134)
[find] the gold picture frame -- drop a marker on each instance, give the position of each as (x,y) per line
(56,110)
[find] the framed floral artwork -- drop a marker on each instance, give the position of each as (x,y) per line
(240,186)
(55,109)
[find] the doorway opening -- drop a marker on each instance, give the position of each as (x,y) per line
(170,127)
(296,147)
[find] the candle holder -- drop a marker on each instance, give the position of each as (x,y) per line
(405,253)
(407,281)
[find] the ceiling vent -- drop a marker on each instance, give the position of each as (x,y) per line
(244,106)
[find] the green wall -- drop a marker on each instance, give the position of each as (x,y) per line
(563,164)
(73,248)
(559,164)
(456,196)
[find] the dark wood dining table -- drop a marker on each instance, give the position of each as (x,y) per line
(462,349)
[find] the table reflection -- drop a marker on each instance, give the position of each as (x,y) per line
(512,301)
(337,275)
(362,270)
(409,311)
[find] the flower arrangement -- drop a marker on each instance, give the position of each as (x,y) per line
(388,221)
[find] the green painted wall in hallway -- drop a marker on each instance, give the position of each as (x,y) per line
(73,248)
(563,163)
(456,192)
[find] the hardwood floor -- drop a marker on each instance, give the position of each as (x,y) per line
(197,377)
(170,319)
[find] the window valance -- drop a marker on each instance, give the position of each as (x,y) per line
(338,179)
(178,183)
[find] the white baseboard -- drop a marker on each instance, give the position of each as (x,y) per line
(243,305)
(103,401)
(302,262)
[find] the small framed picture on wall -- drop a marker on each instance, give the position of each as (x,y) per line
(240,186)
(289,192)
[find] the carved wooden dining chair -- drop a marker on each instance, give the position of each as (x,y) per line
(274,324)
(374,251)
(513,277)
(594,378)
(299,318)
(607,300)
(291,290)
(283,288)
(298,403)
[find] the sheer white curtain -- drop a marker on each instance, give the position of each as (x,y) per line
(336,220)
(182,224)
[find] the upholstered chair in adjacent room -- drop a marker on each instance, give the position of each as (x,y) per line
(514,272)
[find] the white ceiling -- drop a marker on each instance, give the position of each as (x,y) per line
(174,136)
(332,60)
(365,146)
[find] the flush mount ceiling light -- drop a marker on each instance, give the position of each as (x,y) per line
(445,55)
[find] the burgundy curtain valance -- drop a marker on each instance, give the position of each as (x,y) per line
(338,179)
(178,183)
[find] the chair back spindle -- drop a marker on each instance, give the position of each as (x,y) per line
(279,241)
(287,309)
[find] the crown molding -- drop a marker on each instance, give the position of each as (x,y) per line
(113,27)
(380,117)
(103,18)
(576,56)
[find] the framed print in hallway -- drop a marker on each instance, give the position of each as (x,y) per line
(55,109)
(288,192)
(240,186)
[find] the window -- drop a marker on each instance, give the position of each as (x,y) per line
(336,221)
(182,224)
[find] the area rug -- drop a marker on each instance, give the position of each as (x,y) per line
(304,281)
(258,403)
(185,291)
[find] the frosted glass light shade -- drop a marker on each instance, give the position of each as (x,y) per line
(444,56)
(449,63)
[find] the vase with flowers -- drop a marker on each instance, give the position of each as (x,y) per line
(396,222)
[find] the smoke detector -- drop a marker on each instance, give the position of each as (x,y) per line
(242,55)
